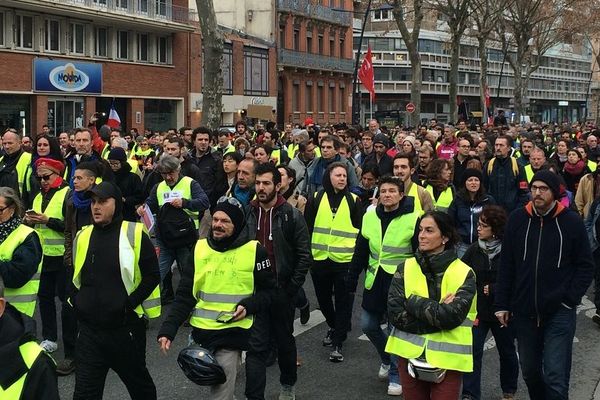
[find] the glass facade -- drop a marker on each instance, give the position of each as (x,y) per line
(160,114)
(14,111)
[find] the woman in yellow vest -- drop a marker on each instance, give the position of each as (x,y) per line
(431,305)
(333,217)
(439,186)
(47,217)
(20,257)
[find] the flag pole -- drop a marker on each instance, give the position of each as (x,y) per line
(371,105)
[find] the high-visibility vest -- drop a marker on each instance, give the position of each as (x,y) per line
(529,172)
(414,193)
(23,169)
(130,246)
(184,188)
(277,155)
(23,298)
(30,351)
(138,152)
(292,149)
(449,349)
(105,151)
(53,242)
(391,250)
(333,236)
(592,165)
(443,202)
(221,281)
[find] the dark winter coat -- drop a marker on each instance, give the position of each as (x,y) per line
(486,272)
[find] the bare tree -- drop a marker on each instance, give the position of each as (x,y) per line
(212,55)
(410,36)
(485,15)
(457,16)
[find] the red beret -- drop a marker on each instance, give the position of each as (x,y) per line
(51,164)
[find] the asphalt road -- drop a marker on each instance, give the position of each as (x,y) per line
(356,377)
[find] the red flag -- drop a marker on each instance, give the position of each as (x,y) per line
(366,74)
(113,118)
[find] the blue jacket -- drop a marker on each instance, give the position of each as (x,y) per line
(466,215)
(546,262)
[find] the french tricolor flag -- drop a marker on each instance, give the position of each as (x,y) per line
(113,117)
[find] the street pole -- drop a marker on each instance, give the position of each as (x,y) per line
(355,98)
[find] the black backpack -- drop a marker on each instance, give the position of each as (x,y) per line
(176,228)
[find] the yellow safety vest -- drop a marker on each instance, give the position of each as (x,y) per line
(450,349)
(391,250)
(333,236)
(105,151)
(130,246)
(529,172)
(23,298)
(276,154)
(53,242)
(221,281)
(414,193)
(23,169)
(138,152)
(443,202)
(592,165)
(184,189)
(30,351)
(292,149)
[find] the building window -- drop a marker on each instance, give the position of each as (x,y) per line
(309,97)
(342,51)
(382,15)
(142,47)
(320,98)
(341,100)
(52,35)
(121,3)
(77,38)
(123,45)
(309,42)
(2,29)
(321,48)
(296,40)
(227,68)
(331,46)
(101,42)
(142,6)
(282,37)
(256,68)
(24,31)
(295,96)
(163,50)
(332,99)
(161,7)
(100,2)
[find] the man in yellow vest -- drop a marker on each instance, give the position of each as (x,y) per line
(231,280)
(15,168)
(27,371)
(47,216)
(537,161)
(115,273)
(386,239)
(404,168)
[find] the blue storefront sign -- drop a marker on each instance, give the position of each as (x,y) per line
(67,76)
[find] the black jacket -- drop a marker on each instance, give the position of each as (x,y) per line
(102,300)
(546,262)
(41,382)
(486,272)
(211,175)
(375,299)
(131,189)
(232,338)
(509,190)
(290,241)
(466,215)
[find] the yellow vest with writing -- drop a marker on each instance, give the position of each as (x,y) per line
(449,349)
(391,250)
(221,281)
(130,246)
(443,202)
(184,186)
(23,298)
(30,351)
(53,242)
(333,236)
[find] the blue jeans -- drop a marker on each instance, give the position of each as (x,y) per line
(509,363)
(167,256)
(545,352)
(370,324)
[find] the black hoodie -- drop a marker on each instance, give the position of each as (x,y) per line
(131,189)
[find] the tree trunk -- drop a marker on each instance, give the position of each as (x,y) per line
(453,78)
(483,82)
(212,41)
(416,86)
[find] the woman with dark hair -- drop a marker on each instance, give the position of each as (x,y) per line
(559,156)
(574,169)
(439,186)
(333,217)
(467,206)
(431,306)
(369,179)
(484,257)
(47,147)
(262,153)
(288,188)
(242,146)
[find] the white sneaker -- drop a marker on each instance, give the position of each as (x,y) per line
(394,389)
(384,371)
(49,346)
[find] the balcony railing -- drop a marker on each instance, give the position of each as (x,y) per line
(158,10)
(314,61)
(316,11)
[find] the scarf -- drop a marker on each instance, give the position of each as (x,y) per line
(491,247)
(562,159)
(574,169)
(80,201)
(6,228)
(55,185)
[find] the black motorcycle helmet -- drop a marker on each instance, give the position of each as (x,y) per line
(200,366)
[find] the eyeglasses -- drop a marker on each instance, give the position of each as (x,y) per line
(541,189)
(44,177)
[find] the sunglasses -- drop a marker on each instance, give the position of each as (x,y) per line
(44,177)
(231,200)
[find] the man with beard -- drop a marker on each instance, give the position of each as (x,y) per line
(281,229)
